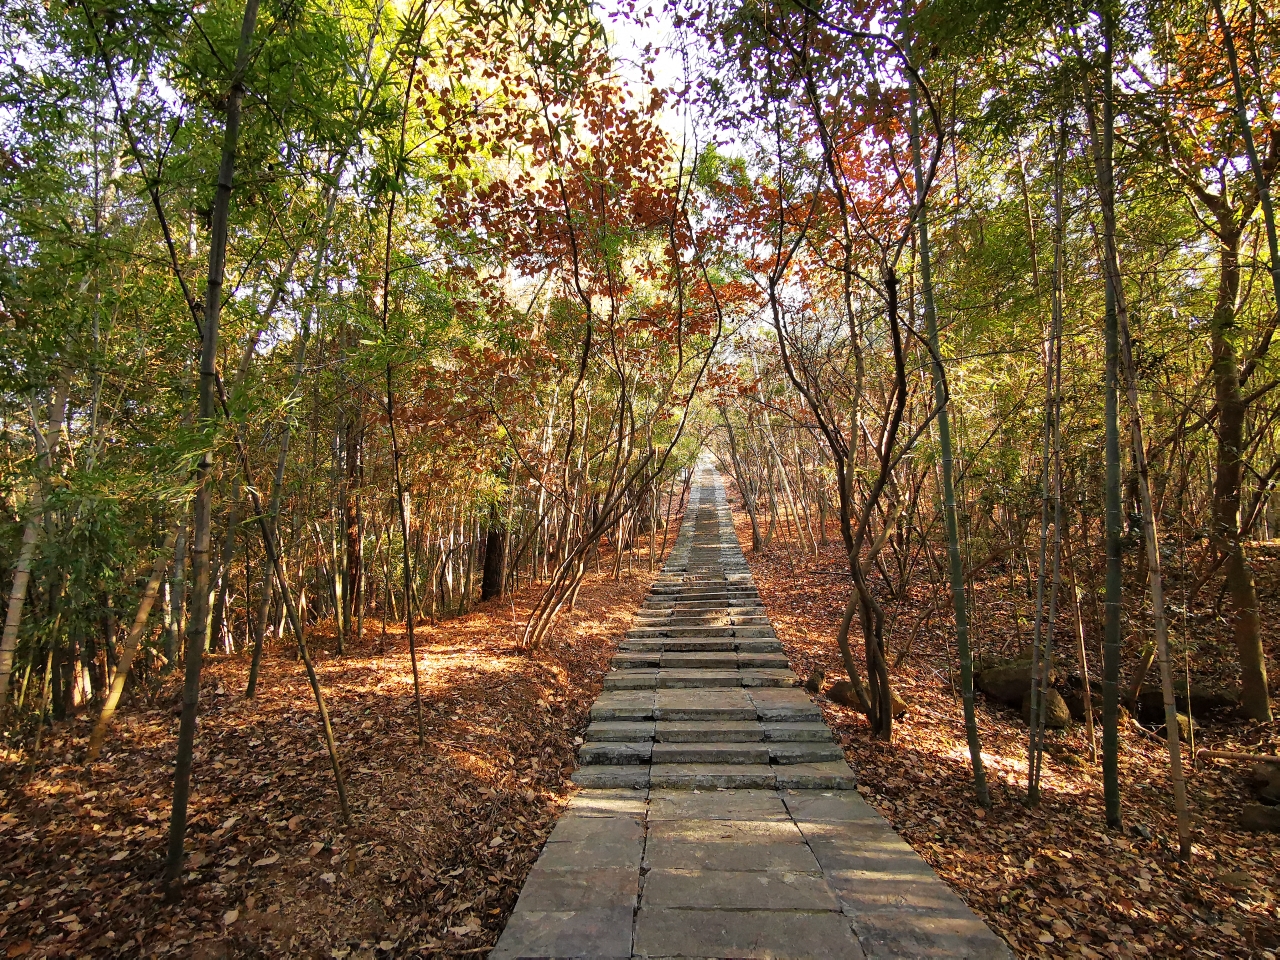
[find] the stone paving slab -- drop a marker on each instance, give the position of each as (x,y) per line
(772,934)
(756,805)
(737,890)
(617,802)
(716,815)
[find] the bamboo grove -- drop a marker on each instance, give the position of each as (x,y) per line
(320,320)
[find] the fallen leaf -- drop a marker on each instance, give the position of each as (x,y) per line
(267,861)
(230,917)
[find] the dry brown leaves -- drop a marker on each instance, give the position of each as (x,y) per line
(441,836)
(1054,881)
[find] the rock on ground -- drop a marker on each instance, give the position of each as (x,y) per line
(1007,681)
(842,692)
(1056,714)
(1260,818)
(1265,780)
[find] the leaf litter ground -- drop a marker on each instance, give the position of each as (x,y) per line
(441,837)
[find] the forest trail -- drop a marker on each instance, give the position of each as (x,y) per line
(717,816)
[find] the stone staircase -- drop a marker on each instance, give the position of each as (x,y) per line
(715,818)
(700,693)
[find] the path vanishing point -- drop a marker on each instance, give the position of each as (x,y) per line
(717,816)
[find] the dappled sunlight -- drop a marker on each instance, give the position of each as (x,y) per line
(441,835)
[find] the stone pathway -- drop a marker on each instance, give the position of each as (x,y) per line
(717,816)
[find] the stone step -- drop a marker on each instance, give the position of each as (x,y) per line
(693,645)
(768,677)
(800,731)
(693,595)
(624,730)
(714,659)
(690,776)
(663,645)
(706,659)
(645,633)
(748,658)
(636,660)
(723,704)
(700,603)
(695,617)
(623,705)
(704,731)
(732,752)
(640,679)
(616,752)
(671,679)
(785,704)
(832,775)
(710,620)
(746,610)
(664,679)
(742,596)
(801,752)
(611,776)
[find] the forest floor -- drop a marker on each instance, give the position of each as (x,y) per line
(1054,881)
(441,836)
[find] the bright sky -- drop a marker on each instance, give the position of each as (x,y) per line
(629,36)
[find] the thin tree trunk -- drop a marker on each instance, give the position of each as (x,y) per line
(391,421)
(177,626)
(221,580)
(1081,652)
(1114,530)
(46,448)
(956,563)
(207,414)
(1106,185)
(259,635)
(130,647)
